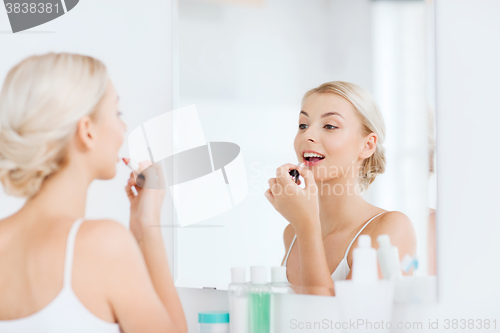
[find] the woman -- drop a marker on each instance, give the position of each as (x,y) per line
(339,140)
(60,130)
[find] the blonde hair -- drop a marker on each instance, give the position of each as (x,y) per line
(371,121)
(41,102)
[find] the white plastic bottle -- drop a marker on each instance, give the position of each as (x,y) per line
(279,286)
(279,283)
(238,301)
(364,261)
(388,258)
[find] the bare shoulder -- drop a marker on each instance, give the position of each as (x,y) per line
(393,222)
(107,247)
(127,286)
(104,229)
(105,238)
(398,226)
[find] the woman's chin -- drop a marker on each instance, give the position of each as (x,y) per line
(320,172)
(108,174)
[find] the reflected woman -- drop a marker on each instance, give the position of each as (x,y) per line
(339,141)
(60,129)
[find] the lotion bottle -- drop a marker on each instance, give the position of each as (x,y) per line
(259,301)
(364,261)
(279,286)
(238,301)
(388,258)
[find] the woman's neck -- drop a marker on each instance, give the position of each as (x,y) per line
(340,203)
(63,194)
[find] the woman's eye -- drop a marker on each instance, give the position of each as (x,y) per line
(302,126)
(330,126)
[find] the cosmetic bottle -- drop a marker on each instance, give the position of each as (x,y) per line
(259,301)
(238,301)
(365,296)
(364,258)
(279,283)
(213,322)
(279,286)
(388,258)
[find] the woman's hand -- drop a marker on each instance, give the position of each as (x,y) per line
(145,207)
(298,205)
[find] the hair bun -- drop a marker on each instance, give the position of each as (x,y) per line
(41,102)
(23,163)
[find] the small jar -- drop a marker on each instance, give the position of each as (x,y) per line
(213,322)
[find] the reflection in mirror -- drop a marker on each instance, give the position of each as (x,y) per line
(246,65)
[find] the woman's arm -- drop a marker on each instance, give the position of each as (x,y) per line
(314,271)
(155,257)
(145,208)
(300,207)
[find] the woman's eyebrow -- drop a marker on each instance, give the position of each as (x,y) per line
(331,114)
(324,114)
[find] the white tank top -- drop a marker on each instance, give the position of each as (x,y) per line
(65,313)
(342,269)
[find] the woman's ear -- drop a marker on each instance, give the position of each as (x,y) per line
(86,133)
(370,145)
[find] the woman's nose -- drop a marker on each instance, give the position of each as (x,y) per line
(310,136)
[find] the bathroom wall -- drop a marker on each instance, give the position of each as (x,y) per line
(468,114)
(135,43)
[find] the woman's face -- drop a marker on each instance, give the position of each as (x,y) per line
(329,126)
(110,131)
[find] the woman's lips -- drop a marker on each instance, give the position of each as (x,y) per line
(310,163)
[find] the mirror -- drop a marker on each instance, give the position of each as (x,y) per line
(245,66)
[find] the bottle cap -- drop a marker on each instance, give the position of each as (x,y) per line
(364,241)
(278,274)
(238,275)
(384,241)
(407,262)
(259,274)
(213,317)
